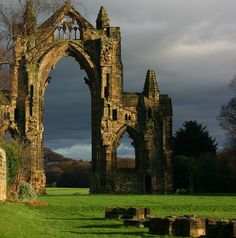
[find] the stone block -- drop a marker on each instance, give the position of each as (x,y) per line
(134,222)
(233,221)
(212,230)
(136,213)
(127,213)
(115,213)
(189,226)
(225,230)
(161,226)
(147,213)
(212,221)
(221,230)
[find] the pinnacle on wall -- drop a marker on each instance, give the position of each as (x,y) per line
(151,89)
(103,18)
(29,14)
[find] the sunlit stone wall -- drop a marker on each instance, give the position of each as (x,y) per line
(3,177)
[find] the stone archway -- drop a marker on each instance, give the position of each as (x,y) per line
(136,142)
(147,115)
(128,180)
(46,63)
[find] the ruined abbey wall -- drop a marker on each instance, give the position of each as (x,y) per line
(3,177)
(146,115)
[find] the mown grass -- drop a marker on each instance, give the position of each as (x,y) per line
(75,213)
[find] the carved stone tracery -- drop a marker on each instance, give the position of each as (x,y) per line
(106,52)
(68,29)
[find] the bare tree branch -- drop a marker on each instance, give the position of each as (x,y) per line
(227,116)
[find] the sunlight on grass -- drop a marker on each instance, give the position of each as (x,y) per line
(67,191)
(76,213)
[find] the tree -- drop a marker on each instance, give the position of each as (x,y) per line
(190,144)
(193,140)
(229,155)
(227,117)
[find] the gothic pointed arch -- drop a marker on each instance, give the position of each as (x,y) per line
(135,137)
(50,58)
(125,128)
(146,116)
(12,131)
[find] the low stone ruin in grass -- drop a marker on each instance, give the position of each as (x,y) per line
(183,226)
(178,226)
(220,229)
(137,217)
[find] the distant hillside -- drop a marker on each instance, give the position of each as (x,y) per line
(125,163)
(51,156)
(67,172)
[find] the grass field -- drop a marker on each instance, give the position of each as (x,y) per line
(75,213)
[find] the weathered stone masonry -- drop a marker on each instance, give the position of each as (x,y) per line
(146,116)
(3,176)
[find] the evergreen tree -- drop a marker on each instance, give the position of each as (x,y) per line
(190,143)
(193,140)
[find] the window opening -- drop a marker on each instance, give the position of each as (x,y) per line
(7,115)
(149,113)
(126,153)
(16,114)
(31,100)
(68,29)
(114,114)
(148,184)
(106,92)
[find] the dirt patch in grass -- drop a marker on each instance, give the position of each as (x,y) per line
(36,203)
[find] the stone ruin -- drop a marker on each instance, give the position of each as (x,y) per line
(3,176)
(181,226)
(146,116)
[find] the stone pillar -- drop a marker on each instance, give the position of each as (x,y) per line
(3,176)
(168,170)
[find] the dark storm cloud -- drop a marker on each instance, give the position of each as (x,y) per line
(191,45)
(67,111)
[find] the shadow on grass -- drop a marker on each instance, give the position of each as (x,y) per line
(142,234)
(65,195)
(75,219)
(108,226)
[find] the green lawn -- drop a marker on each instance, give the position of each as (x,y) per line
(75,213)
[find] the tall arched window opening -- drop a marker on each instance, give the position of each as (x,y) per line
(126,153)
(67,111)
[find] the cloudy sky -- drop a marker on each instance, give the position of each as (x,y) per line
(190,44)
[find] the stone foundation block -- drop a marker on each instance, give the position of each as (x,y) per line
(189,226)
(161,226)
(115,213)
(221,230)
(136,213)
(127,213)
(134,223)
(234,227)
